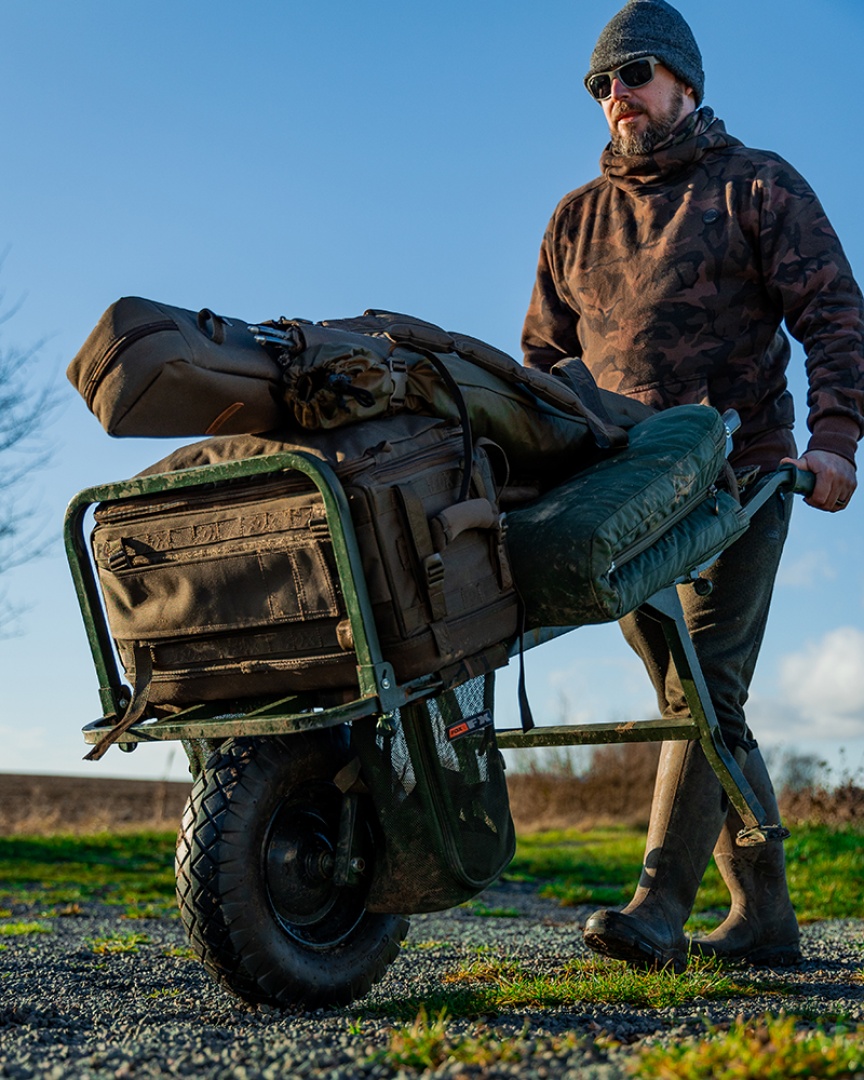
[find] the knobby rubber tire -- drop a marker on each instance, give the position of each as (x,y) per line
(253,795)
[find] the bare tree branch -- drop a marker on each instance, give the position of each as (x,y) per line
(26,404)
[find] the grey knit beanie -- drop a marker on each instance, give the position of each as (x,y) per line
(650,28)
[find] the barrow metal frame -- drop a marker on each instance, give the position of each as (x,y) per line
(378,691)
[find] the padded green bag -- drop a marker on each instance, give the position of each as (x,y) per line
(601,544)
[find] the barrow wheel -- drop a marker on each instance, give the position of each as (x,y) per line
(255,860)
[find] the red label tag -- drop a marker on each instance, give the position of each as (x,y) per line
(469,724)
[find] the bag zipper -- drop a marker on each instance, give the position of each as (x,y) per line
(407,464)
(650,539)
(116,347)
(115,514)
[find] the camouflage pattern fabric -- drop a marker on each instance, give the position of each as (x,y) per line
(671,274)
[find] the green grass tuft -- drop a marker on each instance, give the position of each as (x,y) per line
(23,929)
(428,1043)
(118,943)
(151,911)
(483,911)
(487,987)
(180,952)
(770,1048)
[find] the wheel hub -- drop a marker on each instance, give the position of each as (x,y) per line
(299,863)
(299,866)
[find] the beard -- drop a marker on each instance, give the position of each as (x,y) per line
(633,143)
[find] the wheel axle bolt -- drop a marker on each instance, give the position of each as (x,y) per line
(357,866)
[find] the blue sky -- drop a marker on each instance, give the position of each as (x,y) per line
(318,157)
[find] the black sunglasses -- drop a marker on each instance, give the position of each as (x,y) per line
(634,74)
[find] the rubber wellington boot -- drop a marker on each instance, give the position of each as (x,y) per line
(761,927)
(687,814)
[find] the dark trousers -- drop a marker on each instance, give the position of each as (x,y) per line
(727,626)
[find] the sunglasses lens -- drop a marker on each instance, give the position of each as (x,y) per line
(633,75)
(600,86)
(636,74)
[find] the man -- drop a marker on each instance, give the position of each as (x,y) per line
(670,276)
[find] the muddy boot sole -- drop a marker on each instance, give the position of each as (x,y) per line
(623,938)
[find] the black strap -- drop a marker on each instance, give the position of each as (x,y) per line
(576,371)
(525,715)
(143,661)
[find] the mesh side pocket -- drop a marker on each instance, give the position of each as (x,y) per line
(440,796)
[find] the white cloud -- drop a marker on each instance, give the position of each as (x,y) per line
(828,675)
(808,569)
(820,692)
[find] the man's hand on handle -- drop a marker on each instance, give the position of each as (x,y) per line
(835,479)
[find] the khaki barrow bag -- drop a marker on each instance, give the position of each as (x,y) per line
(231,590)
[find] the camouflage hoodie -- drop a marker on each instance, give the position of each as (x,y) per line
(671,274)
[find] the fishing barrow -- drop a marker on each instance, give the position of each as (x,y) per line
(320,818)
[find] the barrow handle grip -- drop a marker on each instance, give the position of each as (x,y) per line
(798,481)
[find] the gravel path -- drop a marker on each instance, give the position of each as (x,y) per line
(69,1011)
